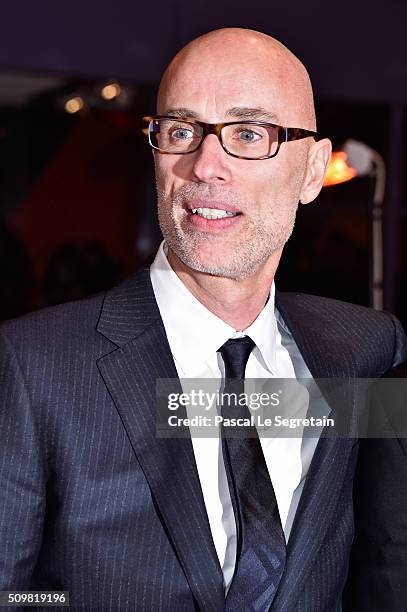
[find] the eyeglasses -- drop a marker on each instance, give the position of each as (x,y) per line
(242,139)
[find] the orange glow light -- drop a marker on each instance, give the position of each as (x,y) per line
(111,91)
(339,170)
(74,105)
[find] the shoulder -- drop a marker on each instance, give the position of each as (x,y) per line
(363,329)
(79,327)
(65,326)
(334,312)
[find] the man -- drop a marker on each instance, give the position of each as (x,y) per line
(93,501)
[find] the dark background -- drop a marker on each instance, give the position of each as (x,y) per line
(77,196)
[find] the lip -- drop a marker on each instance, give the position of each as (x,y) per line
(216,204)
(212,226)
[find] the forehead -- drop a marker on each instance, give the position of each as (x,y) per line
(212,85)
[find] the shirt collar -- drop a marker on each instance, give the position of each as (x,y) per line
(194,333)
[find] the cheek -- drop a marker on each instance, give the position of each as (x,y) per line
(162,170)
(166,178)
(262,185)
(281,185)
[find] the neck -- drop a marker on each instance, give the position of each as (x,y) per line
(237,302)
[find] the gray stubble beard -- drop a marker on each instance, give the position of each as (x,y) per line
(247,257)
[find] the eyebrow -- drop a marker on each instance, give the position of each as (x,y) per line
(236,112)
(256,114)
(181,113)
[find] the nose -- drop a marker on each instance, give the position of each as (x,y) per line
(211,163)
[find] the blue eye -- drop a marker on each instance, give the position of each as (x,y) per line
(247,135)
(182,134)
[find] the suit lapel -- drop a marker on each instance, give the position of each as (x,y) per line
(130,318)
(326,357)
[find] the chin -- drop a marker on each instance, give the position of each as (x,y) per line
(220,267)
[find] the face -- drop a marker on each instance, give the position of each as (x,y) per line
(262,195)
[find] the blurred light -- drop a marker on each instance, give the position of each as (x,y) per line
(74,105)
(339,170)
(111,91)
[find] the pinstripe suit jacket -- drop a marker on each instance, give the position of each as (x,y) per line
(94,503)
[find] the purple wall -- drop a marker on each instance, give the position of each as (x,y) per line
(354,49)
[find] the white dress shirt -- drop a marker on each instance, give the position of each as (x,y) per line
(194,336)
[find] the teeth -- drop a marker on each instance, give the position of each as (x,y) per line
(212,213)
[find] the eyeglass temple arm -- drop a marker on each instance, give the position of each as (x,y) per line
(297,134)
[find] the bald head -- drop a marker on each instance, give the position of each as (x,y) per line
(251,69)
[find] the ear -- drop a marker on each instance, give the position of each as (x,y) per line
(319,155)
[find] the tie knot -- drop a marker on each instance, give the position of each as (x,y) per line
(235,353)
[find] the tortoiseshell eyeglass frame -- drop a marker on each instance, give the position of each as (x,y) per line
(284,134)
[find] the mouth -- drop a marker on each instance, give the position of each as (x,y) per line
(213,213)
(212,217)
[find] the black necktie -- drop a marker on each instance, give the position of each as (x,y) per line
(261,550)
